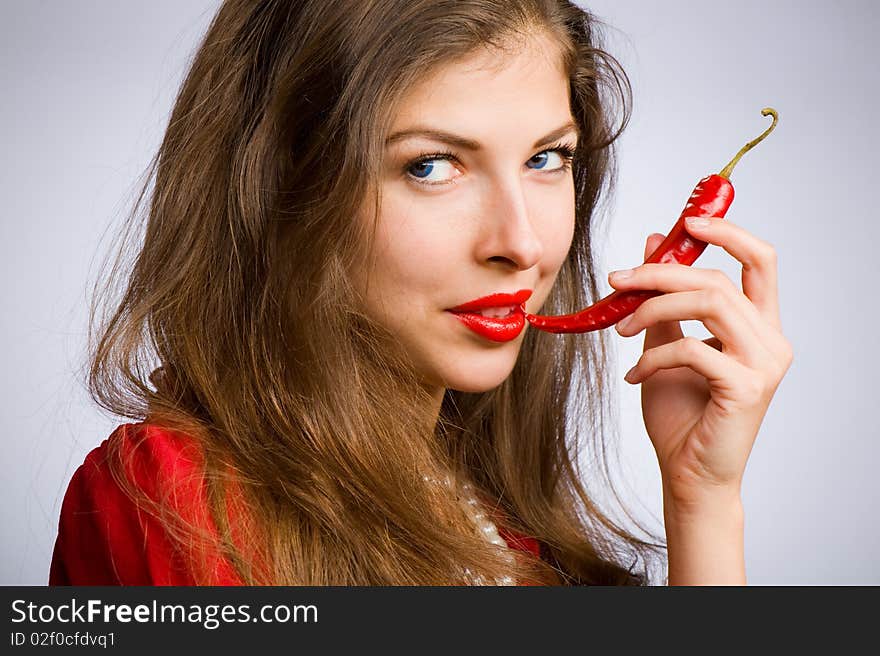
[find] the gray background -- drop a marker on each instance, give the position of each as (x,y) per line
(87,88)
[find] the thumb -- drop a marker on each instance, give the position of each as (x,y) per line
(664,331)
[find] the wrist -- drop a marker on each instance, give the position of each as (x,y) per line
(714,500)
(704,535)
(723,514)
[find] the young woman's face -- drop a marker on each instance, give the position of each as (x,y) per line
(497,218)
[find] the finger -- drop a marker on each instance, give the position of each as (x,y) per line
(758,258)
(672,277)
(661,332)
(653,241)
(706,305)
(719,369)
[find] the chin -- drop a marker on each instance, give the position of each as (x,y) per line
(474,389)
(476,379)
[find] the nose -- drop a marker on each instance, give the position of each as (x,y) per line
(508,235)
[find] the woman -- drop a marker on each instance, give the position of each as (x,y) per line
(335,180)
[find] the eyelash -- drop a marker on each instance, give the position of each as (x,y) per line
(567,151)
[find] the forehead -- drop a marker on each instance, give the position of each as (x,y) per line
(488,94)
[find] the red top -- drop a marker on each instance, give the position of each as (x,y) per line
(105,539)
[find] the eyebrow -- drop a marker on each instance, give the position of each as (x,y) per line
(470,144)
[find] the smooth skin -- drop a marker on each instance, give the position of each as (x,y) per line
(704,401)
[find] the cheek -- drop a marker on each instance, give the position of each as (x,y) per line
(557,234)
(415,259)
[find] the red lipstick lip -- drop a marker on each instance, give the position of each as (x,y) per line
(497,329)
(494,300)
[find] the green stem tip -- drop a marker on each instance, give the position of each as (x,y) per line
(767,111)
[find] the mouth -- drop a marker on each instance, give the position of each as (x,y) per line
(497,317)
(495,328)
(495,305)
(498,312)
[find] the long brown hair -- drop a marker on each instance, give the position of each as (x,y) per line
(240,290)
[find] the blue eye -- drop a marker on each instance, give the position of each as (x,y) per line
(424,165)
(420,168)
(565,152)
(543,156)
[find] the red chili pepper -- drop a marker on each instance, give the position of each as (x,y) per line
(712,196)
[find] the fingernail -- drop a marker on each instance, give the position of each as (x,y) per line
(620,275)
(629,375)
(697,221)
(623,323)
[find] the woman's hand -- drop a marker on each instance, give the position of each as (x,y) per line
(703,401)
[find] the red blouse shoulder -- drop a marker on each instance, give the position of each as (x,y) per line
(104,538)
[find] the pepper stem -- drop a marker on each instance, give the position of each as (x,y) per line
(727,170)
